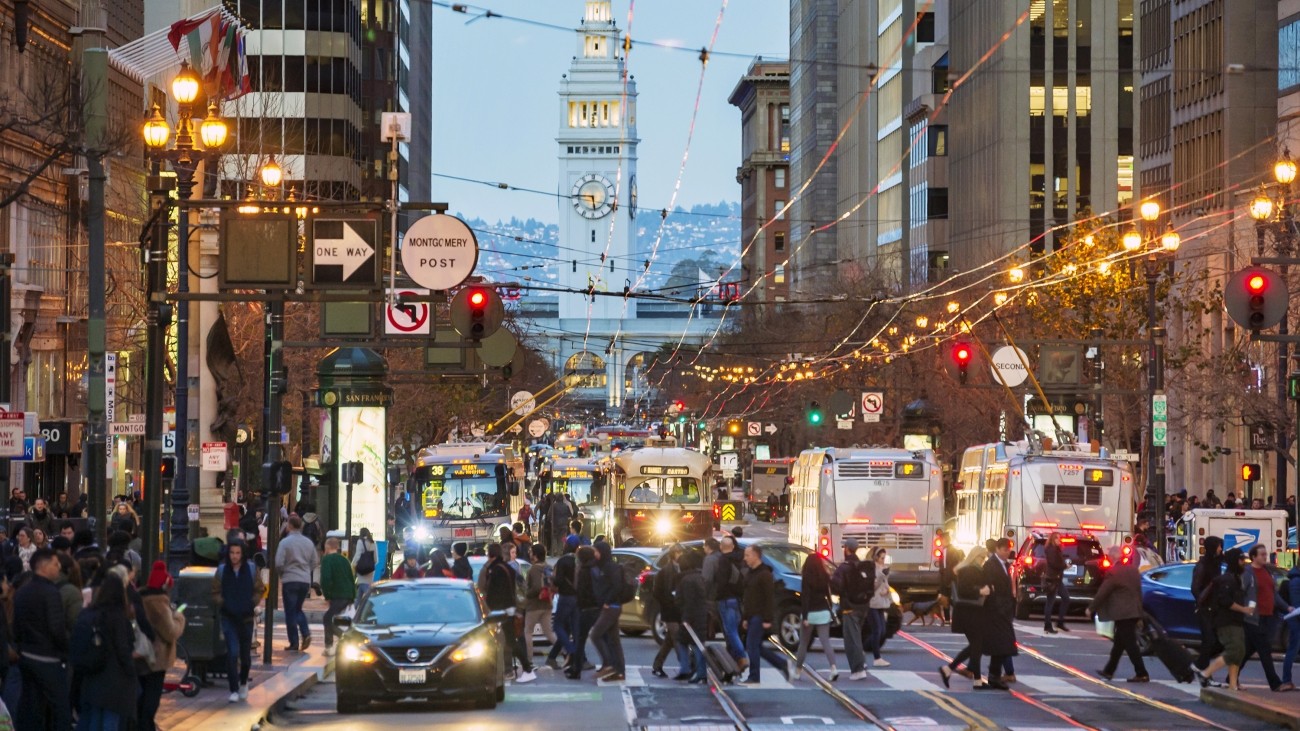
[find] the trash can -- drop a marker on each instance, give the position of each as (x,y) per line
(202,640)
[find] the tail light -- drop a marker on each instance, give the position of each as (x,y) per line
(938,553)
(1105,563)
(1093,526)
(1126,554)
(1068,540)
(717,511)
(1026,560)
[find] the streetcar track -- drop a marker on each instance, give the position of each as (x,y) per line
(857,709)
(1076,673)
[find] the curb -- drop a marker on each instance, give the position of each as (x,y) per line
(292,694)
(1252,705)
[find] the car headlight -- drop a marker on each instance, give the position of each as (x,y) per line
(598,514)
(420,534)
(359,653)
(663,526)
(469,651)
(893,596)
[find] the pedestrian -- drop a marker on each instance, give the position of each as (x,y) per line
(1292,596)
(693,601)
(854,582)
(69,584)
(338,585)
(364,558)
(1262,625)
(1054,585)
(1227,604)
(815,611)
(607,584)
(42,642)
(107,688)
(559,515)
(879,604)
(237,589)
(62,508)
(25,547)
(588,605)
(1208,568)
(523,541)
(168,624)
(1119,600)
(969,593)
(409,568)
(500,596)
(526,512)
(664,591)
(564,621)
(460,566)
(295,558)
(723,568)
(950,557)
(759,607)
(438,566)
(537,599)
(39,517)
(123,520)
(999,638)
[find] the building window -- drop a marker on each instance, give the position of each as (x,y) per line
(778,177)
(939,76)
(779,241)
(785,128)
(936,203)
(778,210)
(938,140)
(1288,55)
(925,28)
(778,274)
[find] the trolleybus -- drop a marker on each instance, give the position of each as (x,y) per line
(660,494)
(465,492)
(585,482)
(768,478)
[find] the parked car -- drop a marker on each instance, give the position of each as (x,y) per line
(1167,598)
(429,639)
(1082,576)
(786,561)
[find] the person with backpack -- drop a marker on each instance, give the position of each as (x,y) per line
(609,586)
(664,588)
(537,599)
(564,622)
(364,557)
(1227,604)
(1207,570)
(855,583)
(588,605)
(237,590)
(723,570)
(879,603)
(103,660)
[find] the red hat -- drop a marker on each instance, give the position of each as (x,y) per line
(158,577)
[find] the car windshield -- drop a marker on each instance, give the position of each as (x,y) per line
(788,558)
(392,606)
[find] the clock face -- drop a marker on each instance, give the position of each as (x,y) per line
(593,196)
(631,209)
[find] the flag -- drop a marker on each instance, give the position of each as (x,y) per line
(215,45)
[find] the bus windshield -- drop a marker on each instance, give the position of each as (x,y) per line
(578,487)
(462,491)
(671,490)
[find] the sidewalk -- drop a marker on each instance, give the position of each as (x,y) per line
(288,676)
(1281,709)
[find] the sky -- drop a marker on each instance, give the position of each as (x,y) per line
(496,82)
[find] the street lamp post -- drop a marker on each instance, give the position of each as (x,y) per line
(1271,214)
(1159,256)
(184,157)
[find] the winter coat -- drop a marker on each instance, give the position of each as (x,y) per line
(607,582)
(537,580)
(665,584)
(114,686)
(1228,590)
(39,628)
(295,559)
(759,599)
(855,582)
(999,609)
(693,597)
(968,619)
(586,593)
(500,592)
(566,569)
(336,579)
(167,623)
(1054,563)
(462,569)
(1120,595)
(237,593)
(1293,587)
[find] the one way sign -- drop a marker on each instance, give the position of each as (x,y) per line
(343,252)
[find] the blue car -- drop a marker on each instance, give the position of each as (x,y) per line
(1167,598)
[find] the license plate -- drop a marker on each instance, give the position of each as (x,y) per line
(1072,571)
(462,532)
(409,675)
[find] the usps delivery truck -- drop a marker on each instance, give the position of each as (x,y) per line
(1238,529)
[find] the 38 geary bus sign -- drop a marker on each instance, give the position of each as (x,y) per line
(439,252)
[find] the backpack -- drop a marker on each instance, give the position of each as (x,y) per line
(311,531)
(546,592)
(861,583)
(366,563)
(89,648)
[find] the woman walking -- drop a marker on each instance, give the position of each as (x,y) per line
(1227,603)
(107,680)
(879,605)
(816,614)
(364,562)
(1119,600)
(968,593)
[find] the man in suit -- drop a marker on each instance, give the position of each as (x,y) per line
(999,611)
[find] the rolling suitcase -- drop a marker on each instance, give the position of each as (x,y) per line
(721,662)
(1173,655)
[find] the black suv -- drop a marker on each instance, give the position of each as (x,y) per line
(1082,576)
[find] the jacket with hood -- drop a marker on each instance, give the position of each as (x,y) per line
(760,594)
(606,577)
(500,591)
(312,529)
(692,597)
(586,589)
(167,623)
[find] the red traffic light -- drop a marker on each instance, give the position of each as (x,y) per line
(961,354)
(1256,284)
(477,298)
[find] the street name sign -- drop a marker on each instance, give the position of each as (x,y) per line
(439,252)
(343,251)
(1009,361)
(127,428)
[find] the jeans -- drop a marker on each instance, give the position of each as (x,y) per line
(45,696)
(94,718)
(151,691)
(854,617)
(876,622)
(1259,639)
(239,650)
(1125,642)
(295,593)
(1292,647)
(758,649)
(689,656)
(565,625)
(729,613)
(668,645)
(335,608)
(823,638)
(1056,590)
(605,634)
(578,658)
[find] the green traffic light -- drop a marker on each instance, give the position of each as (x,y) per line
(681,420)
(815,417)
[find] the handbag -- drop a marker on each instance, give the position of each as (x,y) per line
(960,601)
(1104,627)
(143,649)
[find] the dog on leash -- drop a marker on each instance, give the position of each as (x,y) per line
(926,610)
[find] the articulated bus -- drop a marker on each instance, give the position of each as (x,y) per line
(465,492)
(883,497)
(585,481)
(1007,489)
(660,494)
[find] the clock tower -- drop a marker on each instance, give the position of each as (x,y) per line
(597,187)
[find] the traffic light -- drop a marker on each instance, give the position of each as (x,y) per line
(477,312)
(1256,298)
(167,469)
(962,354)
(733,427)
(815,414)
(1250,471)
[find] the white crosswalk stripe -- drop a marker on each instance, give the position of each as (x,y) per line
(1051,685)
(903,680)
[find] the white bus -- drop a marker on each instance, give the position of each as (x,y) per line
(465,492)
(883,497)
(1007,489)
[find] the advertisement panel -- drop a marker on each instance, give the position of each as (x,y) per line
(362,439)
